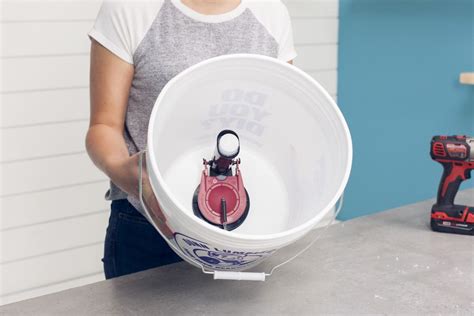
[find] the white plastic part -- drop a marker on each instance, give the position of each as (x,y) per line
(277,110)
(228,145)
(239,276)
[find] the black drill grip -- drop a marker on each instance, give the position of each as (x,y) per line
(453,175)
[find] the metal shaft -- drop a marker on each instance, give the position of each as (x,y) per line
(224,213)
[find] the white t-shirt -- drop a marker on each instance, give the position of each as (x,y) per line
(121,25)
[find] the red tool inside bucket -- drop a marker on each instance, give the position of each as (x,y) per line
(221,198)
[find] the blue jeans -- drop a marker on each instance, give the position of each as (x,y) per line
(132,244)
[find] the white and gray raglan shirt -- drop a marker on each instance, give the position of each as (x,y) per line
(161,38)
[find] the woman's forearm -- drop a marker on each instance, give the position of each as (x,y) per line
(107,149)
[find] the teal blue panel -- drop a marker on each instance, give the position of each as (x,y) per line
(399,66)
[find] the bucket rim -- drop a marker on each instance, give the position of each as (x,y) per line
(231,234)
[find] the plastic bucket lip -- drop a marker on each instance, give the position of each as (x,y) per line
(246,237)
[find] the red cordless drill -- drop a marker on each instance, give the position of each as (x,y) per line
(456,154)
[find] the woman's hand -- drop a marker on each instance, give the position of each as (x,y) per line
(126,175)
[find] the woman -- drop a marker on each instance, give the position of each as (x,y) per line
(137,47)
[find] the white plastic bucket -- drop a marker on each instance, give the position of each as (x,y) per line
(296,156)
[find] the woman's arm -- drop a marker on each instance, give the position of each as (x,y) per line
(110,81)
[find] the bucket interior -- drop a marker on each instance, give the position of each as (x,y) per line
(294,144)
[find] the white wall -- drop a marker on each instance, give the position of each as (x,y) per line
(53,216)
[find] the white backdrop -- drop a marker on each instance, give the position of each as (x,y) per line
(53,216)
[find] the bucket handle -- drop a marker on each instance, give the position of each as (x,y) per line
(260,276)
(339,203)
(233,275)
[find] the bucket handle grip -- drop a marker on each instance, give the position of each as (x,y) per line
(239,276)
(232,275)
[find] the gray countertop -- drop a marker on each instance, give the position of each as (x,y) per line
(390,262)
